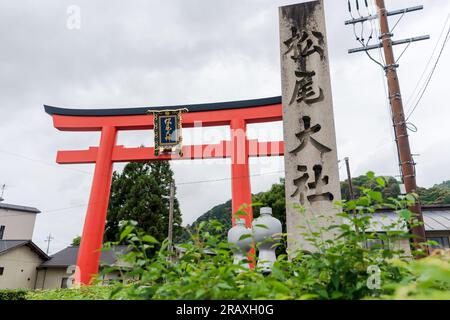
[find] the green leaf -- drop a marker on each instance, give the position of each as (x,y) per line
(377,196)
(245,236)
(381,181)
(149,239)
(363,201)
(405,214)
(126,232)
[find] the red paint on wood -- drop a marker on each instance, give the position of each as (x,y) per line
(94,225)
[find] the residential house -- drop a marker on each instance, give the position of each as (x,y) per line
(17,222)
(436,221)
(58,271)
(19,260)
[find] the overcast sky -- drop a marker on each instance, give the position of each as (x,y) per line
(144,53)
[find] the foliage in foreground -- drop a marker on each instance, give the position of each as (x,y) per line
(13,294)
(427,279)
(82,293)
(358,263)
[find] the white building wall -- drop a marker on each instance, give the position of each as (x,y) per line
(18,225)
(52,278)
(19,268)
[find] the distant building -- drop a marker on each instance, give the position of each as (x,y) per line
(17,222)
(436,220)
(24,265)
(19,260)
(55,272)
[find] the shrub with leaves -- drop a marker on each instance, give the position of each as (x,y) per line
(83,293)
(339,268)
(425,279)
(13,294)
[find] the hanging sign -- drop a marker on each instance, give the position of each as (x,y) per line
(167,129)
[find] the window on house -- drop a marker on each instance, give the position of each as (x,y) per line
(443,242)
(1,270)
(374,242)
(2,232)
(64,282)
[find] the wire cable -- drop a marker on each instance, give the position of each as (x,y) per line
(404,50)
(413,95)
(395,25)
(430,76)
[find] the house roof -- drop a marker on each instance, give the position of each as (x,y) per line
(436,218)
(14,207)
(8,245)
(68,257)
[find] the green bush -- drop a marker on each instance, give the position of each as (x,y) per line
(339,268)
(427,279)
(13,294)
(82,293)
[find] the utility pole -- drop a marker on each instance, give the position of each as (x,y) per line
(171,204)
(3,191)
(49,238)
(350,189)
(398,117)
(349,178)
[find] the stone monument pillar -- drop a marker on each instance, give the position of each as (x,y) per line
(312,177)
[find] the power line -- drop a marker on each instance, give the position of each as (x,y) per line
(42,162)
(231,178)
(181,183)
(410,99)
(361,38)
(430,76)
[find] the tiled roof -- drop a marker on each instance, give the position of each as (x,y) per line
(436,218)
(7,245)
(14,207)
(68,257)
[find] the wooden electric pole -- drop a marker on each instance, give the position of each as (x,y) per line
(171,204)
(398,118)
(350,189)
(48,240)
(349,178)
(406,161)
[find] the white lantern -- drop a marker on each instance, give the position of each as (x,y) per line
(267,232)
(244,245)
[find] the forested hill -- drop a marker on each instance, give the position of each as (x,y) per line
(275,198)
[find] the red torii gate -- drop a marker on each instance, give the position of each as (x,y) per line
(236,115)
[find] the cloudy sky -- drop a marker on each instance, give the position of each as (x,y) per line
(154,52)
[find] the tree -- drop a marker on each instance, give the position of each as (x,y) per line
(434,195)
(76,241)
(444,185)
(275,198)
(391,189)
(140,193)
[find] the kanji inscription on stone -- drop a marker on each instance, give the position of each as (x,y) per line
(311,169)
